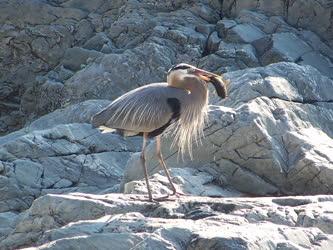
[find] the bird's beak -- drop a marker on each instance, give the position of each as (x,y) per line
(219,83)
(204,75)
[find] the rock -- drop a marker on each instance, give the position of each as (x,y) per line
(65,158)
(256,18)
(281,47)
(315,16)
(76,113)
(311,15)
(230,57)
(81,4)
(243,33)
(223,26)
(117,73)
(247,55)
(8,222)
(205,29)
(187,180)
(213,42)
(97,42)
(315,42)
(277,155)
(315,59)
(75,57)
(43,99)
(83,31)
(63,45)
(128,221)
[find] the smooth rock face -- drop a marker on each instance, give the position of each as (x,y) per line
(63,61)
(128,221)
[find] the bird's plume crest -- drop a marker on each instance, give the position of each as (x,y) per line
(189,127)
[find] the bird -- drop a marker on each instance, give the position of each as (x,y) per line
(178,106)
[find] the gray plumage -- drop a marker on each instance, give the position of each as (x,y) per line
(141,110)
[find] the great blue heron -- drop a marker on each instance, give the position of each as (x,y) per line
(179,106)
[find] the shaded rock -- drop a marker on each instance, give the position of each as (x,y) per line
(243,33)
(76,113)
(8,222)
(317,60)
(64,42)
(81,4)
(97,42)
(281,47)
(312,15)
(116,73)
(315,42)
(315,16)
(75,57)
(205,28)
(230,57)
(223,26)
(83,31)
(213,42)
(44,98)
(256,18)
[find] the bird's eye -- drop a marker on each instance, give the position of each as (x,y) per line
(177,67)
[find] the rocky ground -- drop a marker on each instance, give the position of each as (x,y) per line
(62,61)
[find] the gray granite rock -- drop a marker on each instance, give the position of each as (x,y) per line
(311,15)
(213,42)
(76,113)
(128,221)
(64,158)
(187,180)
(272,136)
(50,48)
(8,221)
(281,47)
(244,33)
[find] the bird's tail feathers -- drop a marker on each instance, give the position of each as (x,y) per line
(105,130)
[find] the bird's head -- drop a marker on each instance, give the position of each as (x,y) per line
(180,71)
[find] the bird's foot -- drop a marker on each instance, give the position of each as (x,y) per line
(178,193)
(168,198)
(164,198)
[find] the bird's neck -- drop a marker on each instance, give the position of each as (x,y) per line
(195,86)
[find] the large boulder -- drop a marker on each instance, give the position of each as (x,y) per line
(263,143)
(65,158)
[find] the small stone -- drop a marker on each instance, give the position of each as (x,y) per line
(213,42)
(63,183)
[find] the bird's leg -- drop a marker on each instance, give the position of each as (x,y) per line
(162,163)
(143,161)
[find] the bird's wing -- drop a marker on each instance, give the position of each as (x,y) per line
(144,109)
